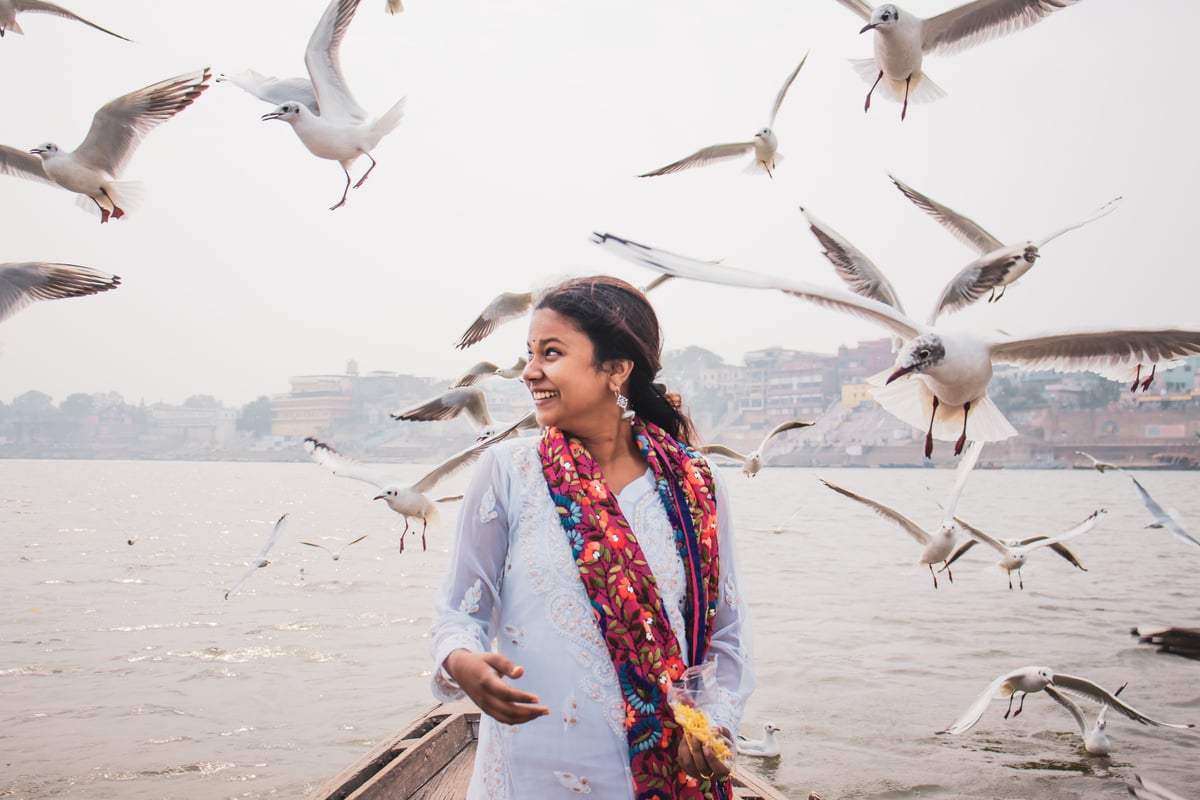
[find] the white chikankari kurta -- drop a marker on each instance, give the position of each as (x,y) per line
(513,580)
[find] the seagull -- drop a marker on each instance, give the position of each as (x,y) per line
(117,128)
(25,282)
(463,400)
(261,561)
(1014,553)
(999,265)
(1099,465)
(10,8)
(766,747)
(1028,680)
(324,115)
(1164,517)
(486,369)
(764,145)
(752,463)
(945,373)
(337,554)
(939,543)
(1095,736)
(406,500)
(902,39)
(394,6)
(1149,790)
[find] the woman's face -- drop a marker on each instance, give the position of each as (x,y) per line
(569,391)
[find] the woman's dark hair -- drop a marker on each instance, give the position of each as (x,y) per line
(621,324)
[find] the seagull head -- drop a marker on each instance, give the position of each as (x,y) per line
(45,150)
(919,355)
(883,17)
(288,112)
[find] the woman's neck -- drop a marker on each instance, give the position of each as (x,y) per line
(617,455)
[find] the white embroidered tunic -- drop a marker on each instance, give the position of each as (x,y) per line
(513,581)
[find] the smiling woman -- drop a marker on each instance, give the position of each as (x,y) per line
(610,488)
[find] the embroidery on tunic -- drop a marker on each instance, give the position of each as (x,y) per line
(487,506)
(471,598)
(576,783)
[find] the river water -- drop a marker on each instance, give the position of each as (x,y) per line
(124,673)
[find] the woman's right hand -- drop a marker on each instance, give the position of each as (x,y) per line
(481,676)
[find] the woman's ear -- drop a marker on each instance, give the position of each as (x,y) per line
(619,370)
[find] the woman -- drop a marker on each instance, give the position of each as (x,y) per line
(600,557)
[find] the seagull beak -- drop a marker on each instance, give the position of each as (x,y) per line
(899,373)
(379,497)
(37,151)
(270,115)
(868,27)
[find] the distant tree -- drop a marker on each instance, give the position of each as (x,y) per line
(255,417)
(33,404)
(202,401)
(77,406)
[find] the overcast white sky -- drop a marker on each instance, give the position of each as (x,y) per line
(527,122)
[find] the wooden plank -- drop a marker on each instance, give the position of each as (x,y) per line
(452,782)
(421,760)
(748,786)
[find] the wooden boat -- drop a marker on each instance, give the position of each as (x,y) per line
(432,758)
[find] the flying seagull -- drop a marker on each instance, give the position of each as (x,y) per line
(25,282)
(92,169)
(764,145)
(902,39)
(465,400)
(1027,680)
(261,561)
(486,369)
(1164,517)
(753,462)
(337,554)
(1013,554)
(322,111)
(940,377)
(10,8)
(407,500)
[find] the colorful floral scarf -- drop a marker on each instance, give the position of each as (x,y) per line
(624,593)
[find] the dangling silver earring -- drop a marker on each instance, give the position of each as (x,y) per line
(623,404)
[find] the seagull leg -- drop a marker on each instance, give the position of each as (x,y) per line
(1003,289)
(949,573)
(117,211)
(105,214)
(962,439)
(345,191)
(1137,378)
(1146,383)
(363,179)
(931,572)
(404,534)
(929,433)
(1021,580)
(424,527)
(867,105)
(1011,697)
(1010,579)
(1021,705)
(904,108)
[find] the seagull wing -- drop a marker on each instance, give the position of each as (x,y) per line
(721,450)
(59,11)
(1097,351)
(783,427)
(1162,516)
(280,525)
(859,7)
(965,229)
(507,306)
(237,587)
(315,544)
(21,164)
(120,124)
(966,465)
(685,267)
(465,457)
(890,514)
(1105,209)
(974,281)
(1149,790)
(448,405)
(342,549)
(22,283)
(1070,706)
(394,6)
(343,466)
(977,22)
(275,91)
(706,155)
(975,711)
(1071,533)
(783,90)
(321,58)
(958,552)
(476,373)
(975,533)
(1082,687)
(859,272)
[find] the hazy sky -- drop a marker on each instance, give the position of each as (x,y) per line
(526,123)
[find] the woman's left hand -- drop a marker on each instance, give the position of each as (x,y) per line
(697,759)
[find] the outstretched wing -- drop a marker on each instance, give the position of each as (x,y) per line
(977,22)
(1070,706)
(685,267)
(965,229)
(59,11)
(974,281)
(858,272)
(467,400)
(467,456)
(1105,209)
(966,465)
(280,525)
(783,90)
(505,307)
(981,536)
(721,450)
(1162,516)
(783,427)
(343,466)
(859,7)
(121,123)
(1082,687)
(26,282)
(275,91)
(890,514)
(1097,351)
(325,69)
(703,156)
(21,164)
(975,711)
